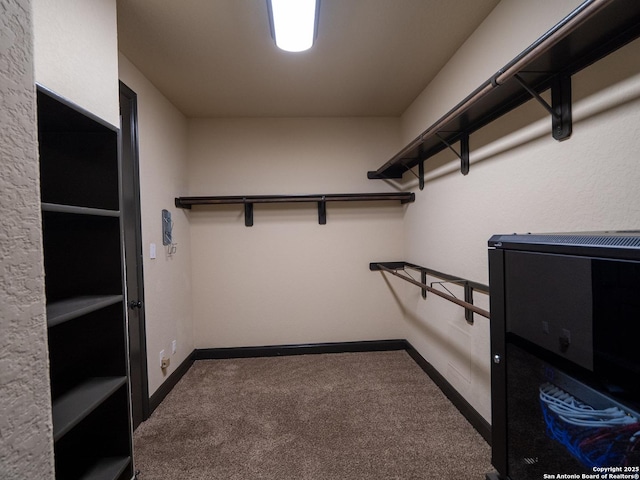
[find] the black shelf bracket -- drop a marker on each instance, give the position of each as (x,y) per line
(422,158)
(322,212)
(419,175)
(464,151)
(468,285)
(560,108)
(468,297)
(248,214)
(468,294)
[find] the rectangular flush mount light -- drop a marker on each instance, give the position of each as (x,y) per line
(293,23)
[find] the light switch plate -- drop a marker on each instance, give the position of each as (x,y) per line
(152,251)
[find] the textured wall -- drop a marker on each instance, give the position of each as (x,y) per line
(25,423)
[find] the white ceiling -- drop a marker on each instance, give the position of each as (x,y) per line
(216,58)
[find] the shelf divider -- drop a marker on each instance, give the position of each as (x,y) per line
(108,468)
(65,310)
(78,403)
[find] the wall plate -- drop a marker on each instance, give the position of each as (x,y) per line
(167,226)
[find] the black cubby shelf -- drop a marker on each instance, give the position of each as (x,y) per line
(75,210)
(107,468)
(79,402)
(64,310)
(84,279)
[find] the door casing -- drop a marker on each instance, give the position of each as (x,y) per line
(131,218)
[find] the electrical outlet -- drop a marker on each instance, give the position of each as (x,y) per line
(174,347)
(162,358)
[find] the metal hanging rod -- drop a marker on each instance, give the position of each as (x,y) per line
(321,199)
(469,286)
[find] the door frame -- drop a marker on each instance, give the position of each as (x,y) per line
(131,148)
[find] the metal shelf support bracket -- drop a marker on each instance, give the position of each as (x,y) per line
(464,151)
(468,297)
(322,212)
(248,214)
(560,108)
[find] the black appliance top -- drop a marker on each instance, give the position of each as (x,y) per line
(615,244)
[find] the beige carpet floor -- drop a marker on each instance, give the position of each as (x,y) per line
(336,416)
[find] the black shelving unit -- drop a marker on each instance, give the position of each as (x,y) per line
(82,232)
(592,31)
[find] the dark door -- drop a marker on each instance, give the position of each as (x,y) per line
(133,255)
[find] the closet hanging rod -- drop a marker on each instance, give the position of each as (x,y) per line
(187,202)
(470,286)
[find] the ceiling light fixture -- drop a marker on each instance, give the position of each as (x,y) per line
(294,23)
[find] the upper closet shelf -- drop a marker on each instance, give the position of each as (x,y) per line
(74,210)
(320,199)
(593,30)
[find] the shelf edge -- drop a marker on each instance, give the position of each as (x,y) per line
(77,404)
(75,210)
(91,304)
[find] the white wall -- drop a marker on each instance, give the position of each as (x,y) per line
(76,53)
(163,175)
(26,443)
(521,180)
(288,279)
